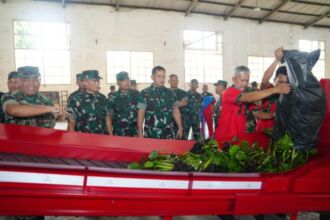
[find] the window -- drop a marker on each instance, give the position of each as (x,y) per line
(203,56)
(137,64)
(308,46)
(258,66)
(45,45)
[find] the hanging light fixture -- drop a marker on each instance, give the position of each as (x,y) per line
(256,8)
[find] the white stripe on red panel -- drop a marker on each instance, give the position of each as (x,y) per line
(76,180)
(227,185)
(41,178)
(136,183)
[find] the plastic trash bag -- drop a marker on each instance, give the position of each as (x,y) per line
(300,113)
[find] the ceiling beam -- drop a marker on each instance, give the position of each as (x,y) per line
(262,9)
(181,11)
(311,3)
(317,19)
(192,5)
(273,11)
(237,5)
(208,3)
(117,5)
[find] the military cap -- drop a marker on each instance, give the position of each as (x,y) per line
(194,81)
(79,76)
(91,74)
(133,82)
(121,76)
(254,83)
(13,74)
(28,72)
(221,82)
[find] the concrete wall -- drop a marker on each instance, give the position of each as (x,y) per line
(145,30)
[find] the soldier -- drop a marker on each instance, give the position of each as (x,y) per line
(112,91)
(2,114)
(80,82)
(13,82)
(254,86)
(181,96)
(81,85)
(88,108)
(206,91)
(266,115)
(250,110)
(122,108)
(13,85)
(134,85)
(220,87)
(192,118)
(27,106)
(159,108)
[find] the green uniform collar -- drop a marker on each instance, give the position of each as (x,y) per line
(31,98)
(157,87)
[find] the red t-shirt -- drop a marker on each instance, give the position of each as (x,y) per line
(232,121)
(267,106)
(232,118)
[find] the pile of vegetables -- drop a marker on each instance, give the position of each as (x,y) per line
(208,157)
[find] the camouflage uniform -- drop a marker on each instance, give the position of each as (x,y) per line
(11,75)
(110,94)
(159,104)
(79,77)
(190,115)
(71,96)
(123,107)
(46,120)
(2,114)
(251,122)
(206,94)
(77,92)
(180,95)
(89,110)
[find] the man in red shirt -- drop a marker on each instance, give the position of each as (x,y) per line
(268,107)
(232,120)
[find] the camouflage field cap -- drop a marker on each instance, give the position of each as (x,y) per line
(12,74)
(121,76)
(133,82)
(91,74)
(79,76)
(221,82)
(28,72)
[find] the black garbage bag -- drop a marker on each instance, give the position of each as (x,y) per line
(300,113)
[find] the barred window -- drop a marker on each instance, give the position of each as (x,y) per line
(203,56)
(137,64)
(45,45)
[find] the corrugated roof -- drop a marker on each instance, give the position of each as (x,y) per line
(306,13)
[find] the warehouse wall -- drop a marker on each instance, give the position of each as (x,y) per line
(96,29)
